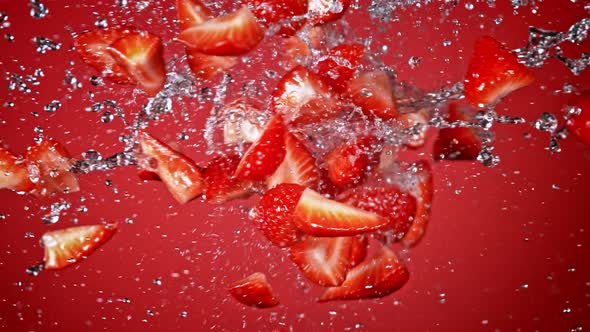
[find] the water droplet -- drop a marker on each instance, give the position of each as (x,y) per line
(414,62)
(35,269)
(45,44)
(38,10)
(53,106)
(101,23)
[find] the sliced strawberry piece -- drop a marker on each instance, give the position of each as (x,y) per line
(242,123)
(264,156)
(324,11)
(205,66)
(323,260)
(148,176)
(377,277)
(68,246)
(579,125)
(232,34)
(320,216)
(50,164)
(302,97)
(296,51)
(493,72)
(423,192)
(254,291)
(339,65)
(14,174)
(298,166)
(220,184)
(141,54)
(347,163)
(373,92)
(358,250)
(93,49)
(418,122)
(192,13)
(274,214)
(458,143)
(178,172)
(287,13)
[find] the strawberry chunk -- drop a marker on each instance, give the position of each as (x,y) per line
(233,34)
(14,174)
(493,72)
(296,51)
(458,143)
(348,163)
(416,123)
(178,172)
(242,123)
(298,167)
(423,192)
(286,13)
(274,214)
(323,260)
(192,13)
(320,216)
(302,97)
(579,125)
(141,55)
(68,246)
(254,291)
(220,183)
(205,66)
(50,164)
(324,11)
(358,250)
(375,278)
(264,156)
(373,92)
(339,65)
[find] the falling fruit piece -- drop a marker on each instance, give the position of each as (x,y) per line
(254,291)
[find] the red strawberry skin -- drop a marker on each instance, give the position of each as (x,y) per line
(14,174)
(347,163)
(423,191)
(254,291)
(68,246)
(205,66)
(340,64)
(192,13)
(418,120)
(50,164)
(281,12)
(298,166)
(323,260)
(373,92)
(579,125)
(220,184)
(358,250)
(493,72)
(274,214)
(323,11)
(458,143)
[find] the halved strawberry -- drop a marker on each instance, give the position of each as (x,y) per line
(67,246)
(358,250)
(373,92)
(417,122)
(579,125)
(377,277)
(302,97)
(274,214)
(178,172)
(347,163)
(220,183)
(324,11)
(339,65)
(458,143)
(423,191)
(254,291)
(493,72)
(287,13)
(264,156)
(93,49)
(242,123)
(205,66)
(141,54)
(192,13)
(14,174)
(320,216)
(298,166)
(323,260)
(233,34)
(49,168)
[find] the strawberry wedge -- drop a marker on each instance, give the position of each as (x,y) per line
(220,184)
(298,167)
(324,11)
(579,124)
(458,143)
(192,13)
(373,92)
(205,66)
(288,14)
(178,172)
(50,164)
(339,65)
(14,174)
(323,260)
(423,192)
(242,123)
(347,163)
(254,291)
(68,246)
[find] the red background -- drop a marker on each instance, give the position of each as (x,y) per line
(506,253)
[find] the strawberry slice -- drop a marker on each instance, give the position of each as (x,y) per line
(423,192)
(178,172)
(205,66)
(579,125)
(296,51)
(93,49)
(14,174)
(141,55)
(458,143)
(254,291)
(347,163)
(287,13)
(192,13)
(377,277)
(298,166)
(302,97)
(68,246)
(324,11)
(358,250)
(373,92)
(233,34)
(493,72)
(339,65)
(274,214)
(242,123)
(323,260)
(418,122)
(50,164)
(320,216)
(220,184)
(264,156)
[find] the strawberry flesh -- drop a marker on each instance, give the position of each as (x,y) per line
(50,164)
(287,13)
(254,291)
(358,250)
(423,193)
(347,163)
(192,13)
(323,260)
(373,92)
(220,184)
(14,174)
(339,65)
(458,143)
(298,167)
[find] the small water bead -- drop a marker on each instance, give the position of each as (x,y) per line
(414,61)
(38,10)
(121,3)
(183,314)
(101,23)
(96,80)
(446,43)
(35,269)
(157,282)
(487,158)
(469,6)
(547,122)
(45,44)
(107,117)
(9,37)
(52,106)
